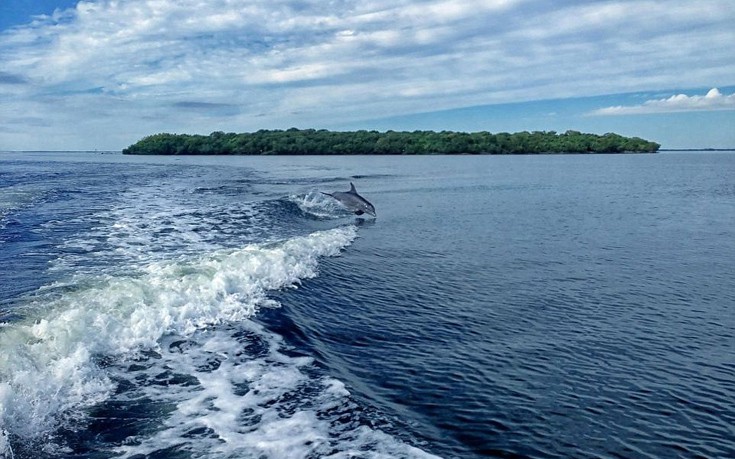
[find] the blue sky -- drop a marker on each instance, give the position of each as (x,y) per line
(100,74)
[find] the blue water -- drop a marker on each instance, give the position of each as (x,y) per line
(524,306)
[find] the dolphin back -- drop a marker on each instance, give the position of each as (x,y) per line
(353,201)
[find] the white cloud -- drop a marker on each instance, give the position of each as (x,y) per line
(713,100)
(324,62)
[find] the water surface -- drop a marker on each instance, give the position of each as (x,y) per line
(525,306)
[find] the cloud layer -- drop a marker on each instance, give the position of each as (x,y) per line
(713,100)
(109,71)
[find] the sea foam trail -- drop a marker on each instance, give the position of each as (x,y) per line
(49,364)
(234,392)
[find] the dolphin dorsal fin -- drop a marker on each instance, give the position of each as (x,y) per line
(352,188)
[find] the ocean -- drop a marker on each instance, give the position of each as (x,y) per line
(553,306)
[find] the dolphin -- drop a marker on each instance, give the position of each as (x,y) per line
(352,201)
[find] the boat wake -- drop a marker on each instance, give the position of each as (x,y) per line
(78,350)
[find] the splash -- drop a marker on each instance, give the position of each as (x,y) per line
(318,205)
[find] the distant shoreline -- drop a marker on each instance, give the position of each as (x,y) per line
(323,142)
(117,152)
(697,149)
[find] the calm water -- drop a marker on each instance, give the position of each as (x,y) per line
(535,306)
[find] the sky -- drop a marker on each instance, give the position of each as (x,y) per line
(101,74)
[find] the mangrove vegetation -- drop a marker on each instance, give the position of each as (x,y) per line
(323,142)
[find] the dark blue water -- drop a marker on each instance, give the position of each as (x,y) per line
(534,306)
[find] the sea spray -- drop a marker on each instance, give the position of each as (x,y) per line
(318,205)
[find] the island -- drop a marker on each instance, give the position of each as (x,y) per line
(324,142)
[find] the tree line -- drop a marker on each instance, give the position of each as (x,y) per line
(323,142)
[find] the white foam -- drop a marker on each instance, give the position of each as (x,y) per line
(47,364)
(147,223)
(268,406)
(215,405)
(6,452)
